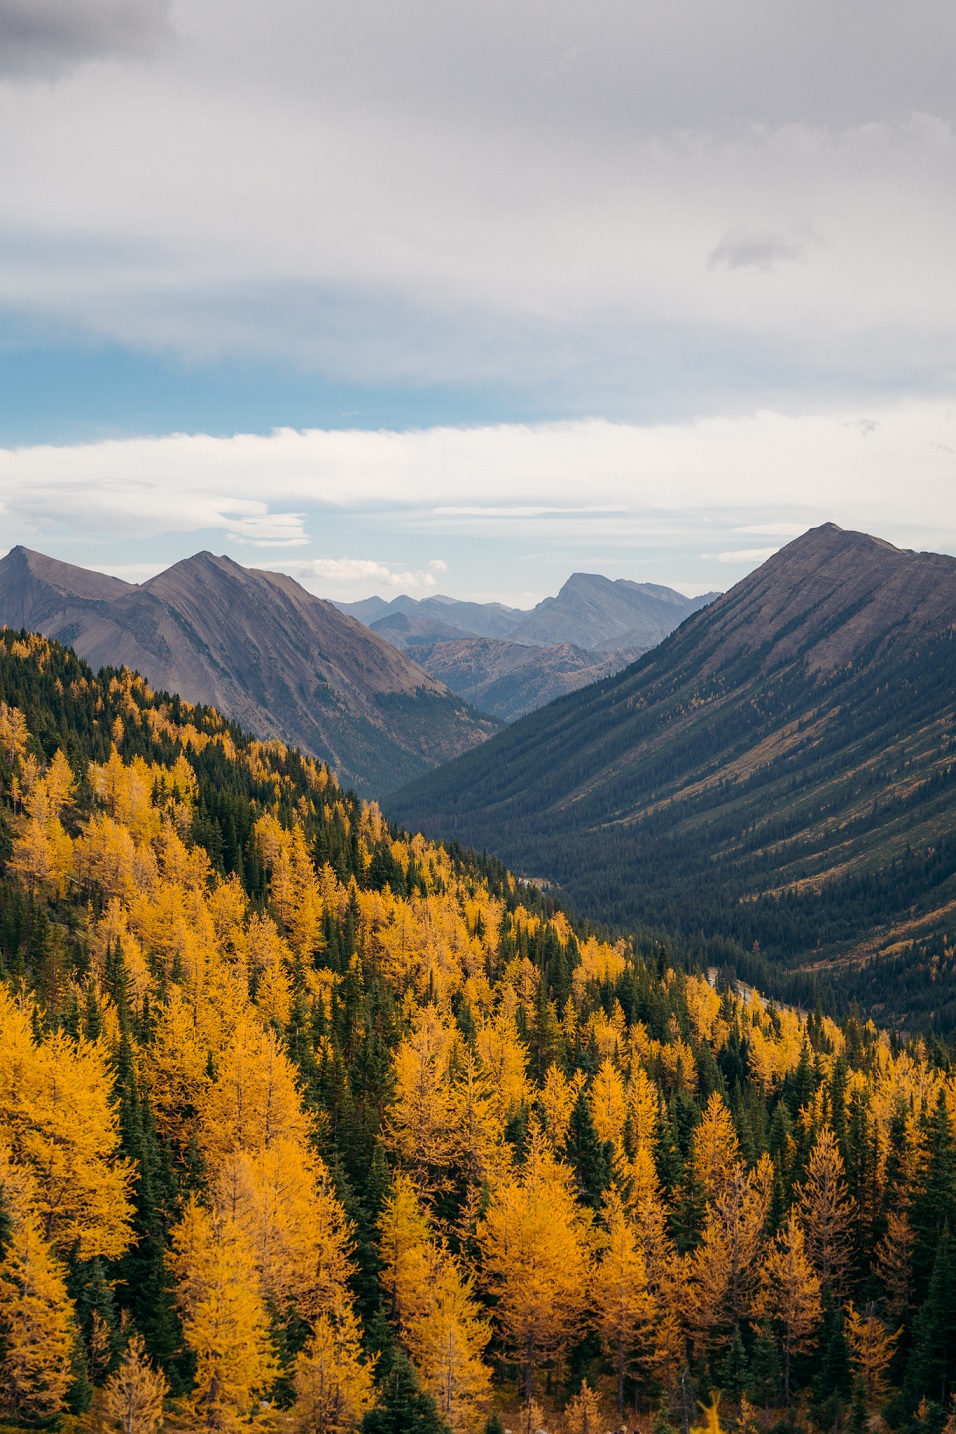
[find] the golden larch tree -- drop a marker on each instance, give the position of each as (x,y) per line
(333,1383)
(583,1414)
(825,1210)
(535,1243)
(716,1148)
(224,1319)
(622,1303)
(439,1318)
(133,1397)
(36,1325)
(789,1294)
(872,1347)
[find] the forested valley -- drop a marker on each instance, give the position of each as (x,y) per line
(310,1124)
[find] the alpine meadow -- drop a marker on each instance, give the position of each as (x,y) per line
(312,1125)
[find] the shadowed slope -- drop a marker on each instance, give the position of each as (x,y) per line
(780,769)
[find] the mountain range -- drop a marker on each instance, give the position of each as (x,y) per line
(780,771)
(261,649)
(594,627)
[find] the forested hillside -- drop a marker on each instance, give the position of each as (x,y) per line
(309,1125)
(779,771)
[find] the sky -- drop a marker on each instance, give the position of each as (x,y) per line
(426,297)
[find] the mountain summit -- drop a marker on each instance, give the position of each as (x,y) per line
(258,647)
(508,661)
(780,769)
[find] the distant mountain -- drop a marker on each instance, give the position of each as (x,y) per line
(410,630)
(573,634)
(781,770)
(478,619)
(509,679)
(601,615)
(590,611)
(258,647)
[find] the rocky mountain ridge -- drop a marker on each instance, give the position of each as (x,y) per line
(261,649)
(595,626)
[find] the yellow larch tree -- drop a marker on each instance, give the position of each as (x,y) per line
(224,1318)
(134,1396)
(894,1262)
(741,1213)
(535,1242)
(583,1414)
(481,1154)
(716,1148)
(872,1347)
(59,1122)
(622,1303)
(608,1104)
(439,1318)
(667,1277)
(707,1286)
(333,1383)
(282,1202)
(789,1294)
(421,1126)
(36,1324)
(254,1100)
(557,1098)
(825,1210)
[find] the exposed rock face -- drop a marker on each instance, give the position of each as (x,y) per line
(258,647)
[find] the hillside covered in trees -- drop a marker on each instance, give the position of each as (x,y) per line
(779,771)
(307,1124)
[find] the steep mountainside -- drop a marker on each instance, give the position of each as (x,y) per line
(782,769)
(258,647)
(508,679)
(310,1126)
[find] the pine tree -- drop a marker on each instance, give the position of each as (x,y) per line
(931,1369)
(589,1156)
(402,1406)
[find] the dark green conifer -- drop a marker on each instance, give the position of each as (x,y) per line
(589,1156)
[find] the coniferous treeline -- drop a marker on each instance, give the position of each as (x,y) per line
(307,1123)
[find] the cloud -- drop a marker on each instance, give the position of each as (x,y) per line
(515,198)
(742,555)
(45,37)
(365,571)
(757,251)
(768,472)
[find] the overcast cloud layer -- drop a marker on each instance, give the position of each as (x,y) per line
(673,213)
